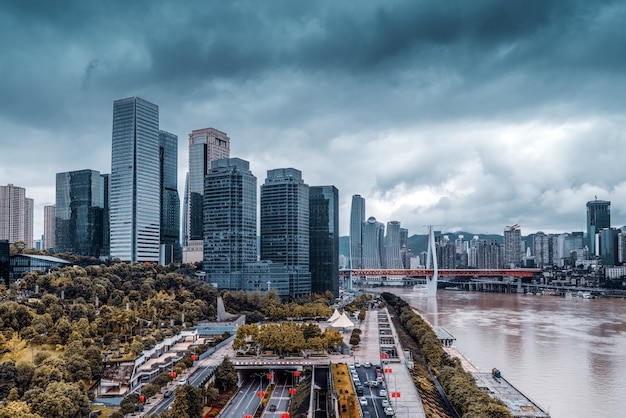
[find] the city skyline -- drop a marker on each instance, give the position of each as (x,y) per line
(471,116)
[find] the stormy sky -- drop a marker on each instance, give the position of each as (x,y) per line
(469,115)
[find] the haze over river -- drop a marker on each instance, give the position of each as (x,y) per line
(566,354)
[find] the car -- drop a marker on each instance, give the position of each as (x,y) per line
(382,393)
(357,364)
(272,408)
(385,403)
(359,391)
(363,401)
(168,394)
(367,364)
(388,411)
(182,382)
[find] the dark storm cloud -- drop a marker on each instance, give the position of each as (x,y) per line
(434,111)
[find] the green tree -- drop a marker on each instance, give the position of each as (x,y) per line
(62,400)
(8,378)
(226,375)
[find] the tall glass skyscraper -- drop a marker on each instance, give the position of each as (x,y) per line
(79,213)
(135,211)
(205,146)
(393,256)
(324,239)
(230,230)
(598,217)
(170,201)
(373,243)
(357,217)
(285,226)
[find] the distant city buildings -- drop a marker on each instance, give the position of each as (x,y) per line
(512,246)
(135,210)
(357,217)
(373,238)
(49,223)
(598,217)
(16,215)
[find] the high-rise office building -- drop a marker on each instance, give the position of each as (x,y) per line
(171,250)
(598,217)
(543,249)
(324,239)
(230,227)
(357,217)
(135,209)
(393,254)
(512,246)
(205,146)
(79,213)
(285,226)
(16,215)
(48,227)
(608,246)
(373,239)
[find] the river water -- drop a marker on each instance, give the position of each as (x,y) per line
(566,354)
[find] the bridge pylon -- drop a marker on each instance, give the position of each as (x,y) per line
(431,282)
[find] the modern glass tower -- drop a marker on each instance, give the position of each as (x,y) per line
(135,211)
(393,255)
(598,217)
(324,239)
(230,227)
(170,201)
(205,146)
(79,213)
(357,217)
(285,226)
(373,243)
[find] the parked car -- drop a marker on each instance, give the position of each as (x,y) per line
(168,394)
(182,382)
(363,401)
(385,403)
(357,364)
(367,364)
(272,408)
(382,393)
(388,411)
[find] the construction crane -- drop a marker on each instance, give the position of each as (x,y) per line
(512,227)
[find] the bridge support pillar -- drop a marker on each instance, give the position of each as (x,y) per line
(432,256)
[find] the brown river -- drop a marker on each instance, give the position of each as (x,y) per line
(566,354)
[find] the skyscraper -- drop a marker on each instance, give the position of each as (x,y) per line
(393,256)
(135,210)
(324,239)
(357,217)
(79,213)
(512,246)
(48,227)
(170,202)
(230,228)
(598,217)
(16,215)
(372,243)
(205,146)
(285,226)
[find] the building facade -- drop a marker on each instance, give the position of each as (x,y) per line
(373,233)
(79,213)
(230,222)
(135,208)
(49,223)
(285,226)
(393,246)
(16,215)
(171,250)
(598,217)
(205,145)
(357,217)
(324,239)
(512,246)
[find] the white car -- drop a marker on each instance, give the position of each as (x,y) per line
(388,411)
(363,400)
(385,403)
(357,364)
(182,382)
(382,393)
